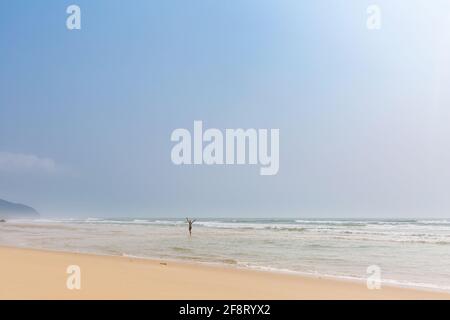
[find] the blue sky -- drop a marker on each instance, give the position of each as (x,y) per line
(86,115)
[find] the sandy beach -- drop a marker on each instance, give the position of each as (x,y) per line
(37,274)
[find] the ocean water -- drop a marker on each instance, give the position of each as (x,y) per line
(412,253)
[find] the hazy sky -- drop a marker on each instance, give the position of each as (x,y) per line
(364,116)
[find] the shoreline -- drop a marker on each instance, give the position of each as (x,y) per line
(268,270)
(232,266)
(41,274)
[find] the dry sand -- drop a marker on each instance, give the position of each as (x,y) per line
(37,274)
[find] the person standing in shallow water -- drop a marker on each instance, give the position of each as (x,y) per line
(190,225)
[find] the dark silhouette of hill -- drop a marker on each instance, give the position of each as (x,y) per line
(9,210)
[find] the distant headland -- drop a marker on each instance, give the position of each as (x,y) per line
(9,210)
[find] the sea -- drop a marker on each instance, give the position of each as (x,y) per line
(406,252)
